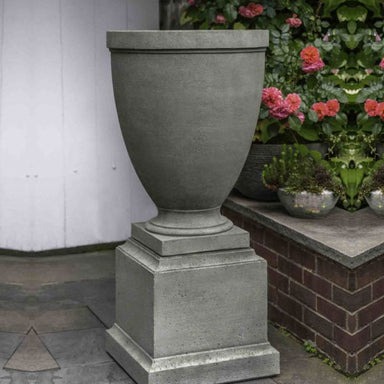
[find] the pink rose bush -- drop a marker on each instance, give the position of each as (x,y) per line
(374,109)
(294,21)
(220,19)
(251,10)
(312,62)
(280,108)
(331,108)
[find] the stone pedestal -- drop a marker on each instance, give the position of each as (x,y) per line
(191,318)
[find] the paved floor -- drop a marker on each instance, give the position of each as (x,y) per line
(53,314)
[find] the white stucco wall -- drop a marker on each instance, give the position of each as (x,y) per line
(65,177)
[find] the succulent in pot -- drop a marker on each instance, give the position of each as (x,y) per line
(305,184)
(372,188)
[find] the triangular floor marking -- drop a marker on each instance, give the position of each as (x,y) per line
(31,355)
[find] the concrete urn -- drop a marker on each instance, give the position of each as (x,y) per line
(188,103)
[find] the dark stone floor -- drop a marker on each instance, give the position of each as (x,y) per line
(53,314)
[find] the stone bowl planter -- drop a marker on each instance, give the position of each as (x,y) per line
(375,201)
(307,205)
(188,103)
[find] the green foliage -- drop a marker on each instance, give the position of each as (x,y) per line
(300,169)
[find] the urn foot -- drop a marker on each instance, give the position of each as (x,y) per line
(189,223)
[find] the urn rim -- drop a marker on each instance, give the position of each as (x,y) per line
(150,40)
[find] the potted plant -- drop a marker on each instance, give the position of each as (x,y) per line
(305,184)
(372,188)
(300,102)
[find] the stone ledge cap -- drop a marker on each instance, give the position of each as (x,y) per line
(350,239)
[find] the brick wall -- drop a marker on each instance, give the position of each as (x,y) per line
(317,299)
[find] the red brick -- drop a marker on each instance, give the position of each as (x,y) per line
(270,256)
(272,294)
(332,351)
(352,342)
(290,306)
(236,218)
(377,328)
(332,271)
(352,364)
(302,256)
(351,323)
(278,280)
(369,272)
(276,242)
(352,301)
(317,284)
(292,325)
(372,312)
(369,353)
(378,289)
(303,294)
(290,269)
(318,323)
(331,312)
(255,230)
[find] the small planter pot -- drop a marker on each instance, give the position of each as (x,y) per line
(307,205)
(375,201)
(250,183)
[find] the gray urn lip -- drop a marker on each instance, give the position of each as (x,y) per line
(190,39)
(188,103)
(375,201)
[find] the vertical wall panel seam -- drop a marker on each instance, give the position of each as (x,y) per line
(63,135)
(2,15)
(97,125)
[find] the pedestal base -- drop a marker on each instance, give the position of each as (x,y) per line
(199,318)
(217,366)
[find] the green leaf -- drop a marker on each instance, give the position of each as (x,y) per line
(185,18)
(352,13)
(374,6)
(285,28)
(330,6)
(230,12)
(352,26)
(312,115)
(269,130)
(308,133)
(294,123)
(239,25)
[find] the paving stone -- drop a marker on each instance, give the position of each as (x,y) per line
(106,373)
(65,320)
(104,311)
(31,355)
(8,344)
(17,321)
(71,348)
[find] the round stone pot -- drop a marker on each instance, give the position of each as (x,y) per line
(307,205)
(250,183)
(375,201)
(188,103)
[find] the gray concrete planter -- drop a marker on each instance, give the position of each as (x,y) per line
(188,102)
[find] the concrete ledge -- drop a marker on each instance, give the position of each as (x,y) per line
(351,239)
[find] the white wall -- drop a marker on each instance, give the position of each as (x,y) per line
(65,177)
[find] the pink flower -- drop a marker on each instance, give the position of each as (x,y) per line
(310,54)
(313,67)
(326,37)
(370,107)
(321,110)
(333,107)
(251,10)
(382,63)
(380,110)
(377,37)
(301,117)
(294,21)
(272,97)
(191,2)
(220,19)
(280,111)
(335,71)
(294,101)
(369,71)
